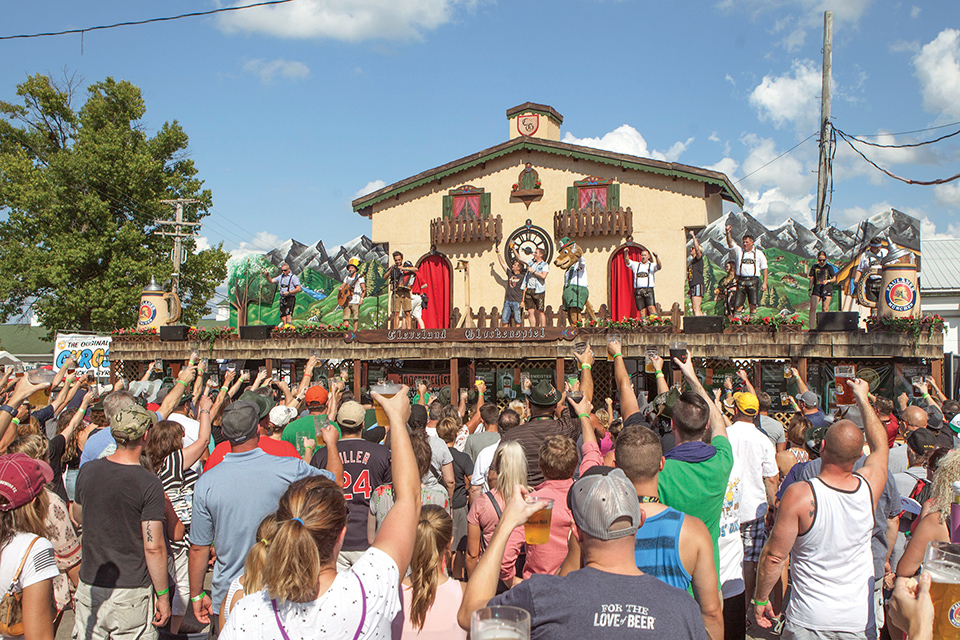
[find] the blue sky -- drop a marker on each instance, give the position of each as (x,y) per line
(293,111)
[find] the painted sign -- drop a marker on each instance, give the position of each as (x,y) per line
(901,294)
(91,353)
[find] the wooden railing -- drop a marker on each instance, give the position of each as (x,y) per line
(466,229)
(593,222)
(484,319)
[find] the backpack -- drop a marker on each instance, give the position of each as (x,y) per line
(920,493)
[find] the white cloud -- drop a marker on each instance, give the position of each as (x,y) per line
(904,46)
(203,243)
(938,69)
(349,20)
(626,139)
(726,166)
(370,187)
(775,189)
(791,98)
(730,79)
(263,242)
(269,70)
(948,194)
(914,12)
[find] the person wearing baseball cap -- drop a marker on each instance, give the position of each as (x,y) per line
(757,457)
(809,402)
(23,510)
(231,499)
(920,444)
(606,592)
(123,587)
(544,421)
(319,403)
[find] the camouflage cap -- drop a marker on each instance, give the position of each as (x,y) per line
(131,423)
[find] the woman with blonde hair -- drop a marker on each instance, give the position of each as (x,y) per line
(796,451)
(508,470)
(431,598)
(251,580)
(934,525)
(304,596)
(521,408)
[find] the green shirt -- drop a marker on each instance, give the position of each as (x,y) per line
(698,488)
(305,427)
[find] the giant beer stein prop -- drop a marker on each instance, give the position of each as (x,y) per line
(899,295)
(157,307)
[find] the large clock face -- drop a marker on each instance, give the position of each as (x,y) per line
(524,241)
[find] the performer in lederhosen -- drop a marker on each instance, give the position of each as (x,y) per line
(751,265)
(643,281)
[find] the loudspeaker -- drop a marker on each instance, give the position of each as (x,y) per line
(838,321)
(703,324)
(255,331)
(173,332)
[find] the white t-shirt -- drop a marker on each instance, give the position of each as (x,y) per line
(191,431)
(40,565)
(757,456)
(730,543)
(750,264)
(869,258)
(357,282)
(335,614)
(481,467)
(642,272)
(577,274)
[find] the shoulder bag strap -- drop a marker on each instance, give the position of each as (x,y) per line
(23,561)
(363,608)
(496,507)
(276,612)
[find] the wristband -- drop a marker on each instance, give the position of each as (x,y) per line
(164,592)
(8,409)
(203,411)
(200,596)
(659,374)
(584,415)
(223,389)
(926,395)
(185,384)
(15,420)
(585,366)
(617,355)
(759,603)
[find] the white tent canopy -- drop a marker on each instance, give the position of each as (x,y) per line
(7,358)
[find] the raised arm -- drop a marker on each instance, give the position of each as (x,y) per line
(173,397)
(656,259)
(194,451)
(729,236)
(801,383)
(717,425)
(307,376)
(628,399)
(334,464)
(875,467)
(746,381)
(662,386)
(698,251)
(503,264)
(21,393)
(399,529)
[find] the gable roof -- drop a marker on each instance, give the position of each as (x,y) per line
(726,189)
(939,270)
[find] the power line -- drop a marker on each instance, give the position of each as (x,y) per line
(775,159)
(902,146)
(904,133)
(893,175)
(140,22)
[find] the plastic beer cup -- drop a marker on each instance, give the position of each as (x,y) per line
(613,337)
(537,528)
(942,562)
(387,390)
(500,623)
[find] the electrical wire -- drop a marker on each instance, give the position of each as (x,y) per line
(904,133)
(775,159)
(131,23)
(901,146)
(893,175)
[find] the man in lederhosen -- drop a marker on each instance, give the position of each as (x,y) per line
(401,276)
(751,264)
(289,285)
(643,281)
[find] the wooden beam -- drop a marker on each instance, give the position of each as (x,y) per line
(268,363)
(454,379)
(802,368)
(560,378)
(936,370)
(359,371)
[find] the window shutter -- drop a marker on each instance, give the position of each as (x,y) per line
(572,198)
(484,205)
(613,196)
(447,206)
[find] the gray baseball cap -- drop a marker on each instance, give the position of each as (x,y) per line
(240,421)
(810,399)
(602,497)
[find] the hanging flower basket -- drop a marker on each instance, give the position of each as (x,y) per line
(915,325)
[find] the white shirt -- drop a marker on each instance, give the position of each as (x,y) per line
(750,264)
(481,467)
(730,543)
(577,274)
(642,272)
(334,615)
(754,451)
(191,432)
(357,281)
(869,258)
(40,565)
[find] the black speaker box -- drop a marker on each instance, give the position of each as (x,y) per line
(255,331)
(173,332)
(703,324)
(838,321)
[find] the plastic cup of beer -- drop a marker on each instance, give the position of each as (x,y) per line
(942,562)
(18,370)
(387,390)
(613,337)
(652,352)
(787,371)
(500,623)
(537,528)
(678,350)
(319,423)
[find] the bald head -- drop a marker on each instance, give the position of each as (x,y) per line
(914,418)
(843,443)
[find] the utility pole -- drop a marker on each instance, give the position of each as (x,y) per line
(177,254)
(825,168)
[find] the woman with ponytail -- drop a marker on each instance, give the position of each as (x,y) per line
(431,598)
(303,596)
(251,580)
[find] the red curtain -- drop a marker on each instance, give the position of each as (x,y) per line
(434,272)
(622,303)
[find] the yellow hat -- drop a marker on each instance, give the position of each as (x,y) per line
(747,403)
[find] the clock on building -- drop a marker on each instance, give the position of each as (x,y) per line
(524,241)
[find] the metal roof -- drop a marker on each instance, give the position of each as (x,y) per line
(941,265)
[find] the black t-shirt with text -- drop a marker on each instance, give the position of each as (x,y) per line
(695,272)
(115,500)
(820,274)
(366,466)
(514,287)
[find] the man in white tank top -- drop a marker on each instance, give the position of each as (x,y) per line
(825,525)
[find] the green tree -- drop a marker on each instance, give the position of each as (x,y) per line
(82,189)
(247,285)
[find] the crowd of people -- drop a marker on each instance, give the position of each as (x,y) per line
(691,516)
